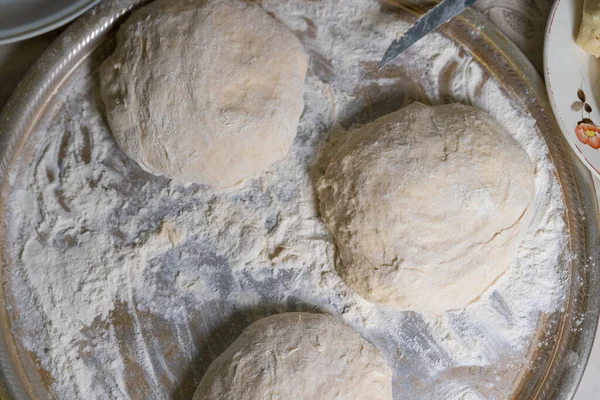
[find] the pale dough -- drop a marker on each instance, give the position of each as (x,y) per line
(427,206)
(589,31)
(298,356)
(204,91)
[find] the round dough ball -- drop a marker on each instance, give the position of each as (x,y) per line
(427,205)
(298,356)
(204,91)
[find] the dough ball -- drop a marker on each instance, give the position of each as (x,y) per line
(298,356)
(204,91)
(427,205)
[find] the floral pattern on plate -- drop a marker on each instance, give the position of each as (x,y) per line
(587,131)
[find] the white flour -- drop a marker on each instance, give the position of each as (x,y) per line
(128,285)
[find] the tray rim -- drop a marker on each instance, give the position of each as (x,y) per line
(35,92)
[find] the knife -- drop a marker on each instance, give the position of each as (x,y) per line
(433,18)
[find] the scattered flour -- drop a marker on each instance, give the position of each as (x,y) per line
(128,285)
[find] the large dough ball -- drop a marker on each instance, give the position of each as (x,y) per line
(204,91)
(298,356)
(427,206)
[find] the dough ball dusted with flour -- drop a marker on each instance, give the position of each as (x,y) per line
(427,205)
(298,356)
(204,91)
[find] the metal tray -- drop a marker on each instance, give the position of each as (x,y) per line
(559,363)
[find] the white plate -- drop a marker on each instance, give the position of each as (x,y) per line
(22,19)
(573,83)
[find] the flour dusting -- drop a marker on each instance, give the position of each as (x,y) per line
(128,285)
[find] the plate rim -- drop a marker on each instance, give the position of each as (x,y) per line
(46,24)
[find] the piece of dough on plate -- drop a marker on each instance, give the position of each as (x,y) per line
(298,356)
(204,91)
(589,31)
(427,206)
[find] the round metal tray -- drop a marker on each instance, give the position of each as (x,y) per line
(558,364)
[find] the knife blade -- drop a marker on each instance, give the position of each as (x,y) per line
(444,11)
